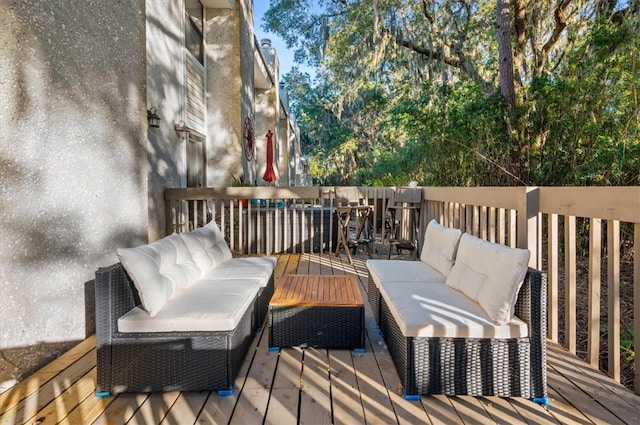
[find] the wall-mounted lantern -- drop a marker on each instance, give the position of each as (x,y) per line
(152,116)
(182,129)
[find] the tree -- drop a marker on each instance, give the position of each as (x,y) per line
(507,84)
(447,91)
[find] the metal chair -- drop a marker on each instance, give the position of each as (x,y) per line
(353,216)
(402,219)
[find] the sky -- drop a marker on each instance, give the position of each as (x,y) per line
(285,56)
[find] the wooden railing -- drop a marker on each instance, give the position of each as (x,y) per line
(265,220)
(563,227)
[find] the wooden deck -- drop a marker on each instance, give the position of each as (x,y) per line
(315,386)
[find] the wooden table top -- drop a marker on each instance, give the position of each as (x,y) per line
(318,291)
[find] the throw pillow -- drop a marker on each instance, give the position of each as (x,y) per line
(207,246)
(490,274)
(439,247)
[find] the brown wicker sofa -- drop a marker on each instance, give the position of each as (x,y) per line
(196,338)
(440,336)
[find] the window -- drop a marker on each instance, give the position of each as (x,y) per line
(193,29)
(196,161)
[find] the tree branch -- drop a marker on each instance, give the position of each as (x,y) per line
(459,61)
(426,13)
(520,29)
(432,54)
(561,22)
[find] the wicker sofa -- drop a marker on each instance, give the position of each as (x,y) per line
(178,314)
(469,318)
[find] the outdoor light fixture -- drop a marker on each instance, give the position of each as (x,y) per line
(182,129)
(152,116)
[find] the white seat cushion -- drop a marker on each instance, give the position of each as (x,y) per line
(439,247)
(440,311)
(490,274)
(204,306)
(260,268)
(159,270)
(207,246)
(402,271)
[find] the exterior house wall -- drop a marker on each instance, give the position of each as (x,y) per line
(229,57)
(267,106)
(165,56)
(284,163)
(265,121)
(294,155)
(82,172)
(247,92)
(282,160)
(74,166)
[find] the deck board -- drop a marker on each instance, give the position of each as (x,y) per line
(254,397)
(599,387)
(154,409)
(532,413)
(285,393)
(345,393)
(315,399)
(501,411)
(121,409)
(378,408)
(312,386)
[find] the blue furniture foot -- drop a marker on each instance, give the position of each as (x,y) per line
(410,397)
(359,350)
(103,394)
(225,393)
(274,349)
(543,401)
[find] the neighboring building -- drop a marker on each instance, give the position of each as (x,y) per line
(83,173)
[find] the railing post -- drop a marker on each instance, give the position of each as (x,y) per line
(593,299)
(636,303)
(570,278)
(168,217)
(552,278)
(613,298)
(529,228)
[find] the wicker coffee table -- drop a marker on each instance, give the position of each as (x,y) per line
(317,311)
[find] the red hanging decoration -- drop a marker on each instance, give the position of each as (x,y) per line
(269,173)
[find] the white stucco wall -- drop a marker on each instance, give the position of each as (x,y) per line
(81,172)
(165,91)
(73,161)
(225,30)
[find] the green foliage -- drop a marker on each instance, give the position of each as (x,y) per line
(626,345)
(407,90)
(585,128)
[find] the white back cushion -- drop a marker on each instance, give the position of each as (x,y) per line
(439,248)
(159,270)
(490,274)
(207,246)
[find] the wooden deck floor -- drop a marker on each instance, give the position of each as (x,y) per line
(314,386)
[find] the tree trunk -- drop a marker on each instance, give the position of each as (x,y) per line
(507,86)
(505,56)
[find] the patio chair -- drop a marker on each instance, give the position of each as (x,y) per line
(353,216)
(401,220)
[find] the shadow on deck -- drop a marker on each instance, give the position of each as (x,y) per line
(312,385)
